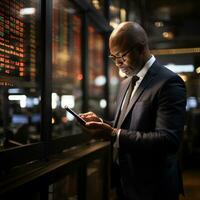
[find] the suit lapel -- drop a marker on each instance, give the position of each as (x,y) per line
(122,94)
(145,82)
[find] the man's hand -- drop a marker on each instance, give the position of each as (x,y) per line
(99,130)
(95,126)
(90,116)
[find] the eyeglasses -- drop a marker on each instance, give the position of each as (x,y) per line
(123,57)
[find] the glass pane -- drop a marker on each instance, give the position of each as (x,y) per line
(94,181)
(67,75)
(97,80)
(20,92)
(64,189)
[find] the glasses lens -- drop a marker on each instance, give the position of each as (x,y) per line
(113,58)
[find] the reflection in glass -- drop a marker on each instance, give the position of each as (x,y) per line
(20,113)
(97,80)
(67,75)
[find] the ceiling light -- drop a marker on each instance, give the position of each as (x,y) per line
(180,68)
(100,80)
(96,4)
(198,70)
(122,14)
(168,35)
(27,11)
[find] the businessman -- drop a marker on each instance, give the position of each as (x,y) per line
(146,132)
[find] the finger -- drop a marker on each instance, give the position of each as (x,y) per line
(86,114)
(91,116)
(94,124)
(88,118)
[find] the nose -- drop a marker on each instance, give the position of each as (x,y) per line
(118,62)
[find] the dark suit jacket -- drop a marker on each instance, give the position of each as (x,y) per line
(150,136)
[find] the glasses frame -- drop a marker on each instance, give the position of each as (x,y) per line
(123,57)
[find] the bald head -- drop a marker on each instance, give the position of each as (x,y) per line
(127,35)
(129,48)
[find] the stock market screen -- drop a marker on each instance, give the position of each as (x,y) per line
(17,41)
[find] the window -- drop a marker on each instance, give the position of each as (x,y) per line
(97,80)
(67,75)
(20,91)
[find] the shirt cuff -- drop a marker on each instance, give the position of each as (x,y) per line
(117,139)
(116,142)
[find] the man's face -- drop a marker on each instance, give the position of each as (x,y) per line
(126,59)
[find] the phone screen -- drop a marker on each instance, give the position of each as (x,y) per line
(79,119)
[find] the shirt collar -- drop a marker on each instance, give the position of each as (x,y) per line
(146,67)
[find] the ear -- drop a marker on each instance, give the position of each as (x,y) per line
(140,48)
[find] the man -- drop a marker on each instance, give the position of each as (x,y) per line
(149,120)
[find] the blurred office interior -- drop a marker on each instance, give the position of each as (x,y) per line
(54,53)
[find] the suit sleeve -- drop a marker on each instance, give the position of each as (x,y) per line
(169,122)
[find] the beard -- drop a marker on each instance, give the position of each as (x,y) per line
(127,70)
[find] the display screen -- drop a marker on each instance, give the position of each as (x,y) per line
(17,40)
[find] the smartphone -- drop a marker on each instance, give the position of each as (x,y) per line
(79,119)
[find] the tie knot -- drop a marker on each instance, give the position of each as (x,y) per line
(134,79)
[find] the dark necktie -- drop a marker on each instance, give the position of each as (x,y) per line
(127,99)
